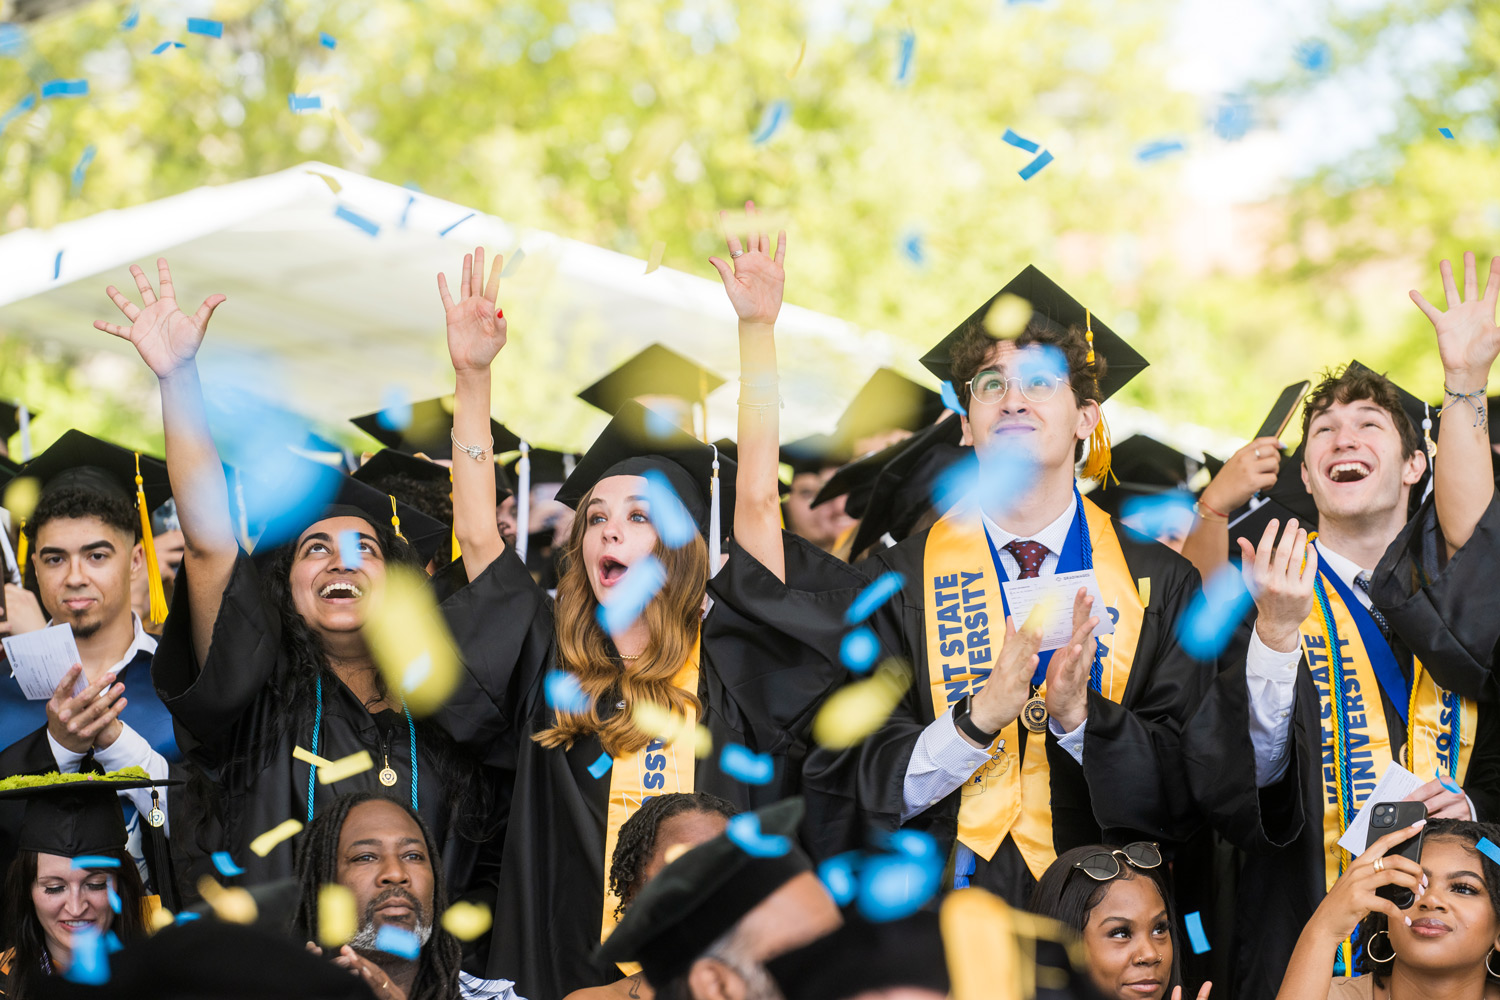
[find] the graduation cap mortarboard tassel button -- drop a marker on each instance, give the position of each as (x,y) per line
(154,588)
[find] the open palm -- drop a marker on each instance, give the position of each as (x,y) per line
(476,327)
(755,281)
(165,337)
(1468,338)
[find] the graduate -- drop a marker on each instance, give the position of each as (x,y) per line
(813,460)
(1008,758)
(1279,767)
(586,762)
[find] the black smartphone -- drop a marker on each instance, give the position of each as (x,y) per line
(1281,413)
(1385,818)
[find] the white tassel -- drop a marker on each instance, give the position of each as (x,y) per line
(714,533)
(25,420)
(523,500)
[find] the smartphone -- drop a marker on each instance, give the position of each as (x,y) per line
(1281,413)
(1389,816)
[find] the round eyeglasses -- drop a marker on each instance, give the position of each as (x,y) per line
(1105,865)
(990,386)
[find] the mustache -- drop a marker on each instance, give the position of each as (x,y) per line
(395,892)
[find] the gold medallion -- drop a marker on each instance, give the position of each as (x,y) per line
(387,777)
(156,818)
(1034,715)
(1402,757)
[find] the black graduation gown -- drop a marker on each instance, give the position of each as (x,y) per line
(1280,828)
(235,727)
(1129,787)
(760,684)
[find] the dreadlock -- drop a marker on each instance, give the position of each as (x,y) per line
(317,866)
(637,840)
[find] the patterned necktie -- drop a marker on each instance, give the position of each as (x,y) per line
(1362,581)
(1028,556)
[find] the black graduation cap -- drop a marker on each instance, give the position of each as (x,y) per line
(700,896)
(388,467)
(888,401)
(72,815)
(903,489)
(865,956)
(814,453)
(10,420)
(548,465)
(638,439)
(1052,307)
(1143,467)
(857,479)
(656,371)
(430,430)
(730,450)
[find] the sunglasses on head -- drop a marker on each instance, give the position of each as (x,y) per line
(1105,865)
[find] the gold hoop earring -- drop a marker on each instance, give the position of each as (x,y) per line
(1490,968)
(1370,952)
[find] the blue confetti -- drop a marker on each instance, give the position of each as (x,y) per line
(112,942)
(1196,937)
(859,650)
(950,398)
(513,263)
(1020,143)
(24,105)
(225,864)
(356,220)
(903,60)
(893,886)
(395,409)
(349,552)
(203,26)
(771,121)
(744,764)
(114,899)
(1030,170)
(600,767)
(884,587)
(913,844)
(1446,133)
(410,200)
(300,102)
(631,595)
(82,166)
(95,861)
(89,963)
(1214,614)
(186,916)
(12,40)
(839,876)
(1312,55)
(663,418)
(564,693)
(674,525)
(164,46)
(395,940)
(1159,150)
(1166,514)
(445,232)
(65,88)
(913,249)
(744,832)
(1232,119)
(131,19)
(329,42)
(1447,783)
(57,265)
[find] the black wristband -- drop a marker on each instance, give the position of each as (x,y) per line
(966,724)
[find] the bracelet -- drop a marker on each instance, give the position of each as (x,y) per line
(760,385)
(1475,400)
(477,454)
(1203,511)
(780,403)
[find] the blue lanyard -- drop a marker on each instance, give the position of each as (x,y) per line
(312,769)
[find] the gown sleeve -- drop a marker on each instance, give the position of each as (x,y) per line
(206,703)
(1443,609)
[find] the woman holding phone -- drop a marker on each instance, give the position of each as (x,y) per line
(1445,944)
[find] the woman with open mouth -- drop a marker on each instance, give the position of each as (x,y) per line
(1444,943)
(600,697)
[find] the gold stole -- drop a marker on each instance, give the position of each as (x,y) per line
(965,628)
(655,770)
(1430,719)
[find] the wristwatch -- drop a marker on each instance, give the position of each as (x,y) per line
(966,725)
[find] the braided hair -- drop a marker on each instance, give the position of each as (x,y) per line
(317,866)
(637,840)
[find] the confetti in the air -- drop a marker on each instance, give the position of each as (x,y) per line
(1159,150)
(225,864)
(89,963)
(744,831)
(131,19)
(913,249)
(65,88)
(448,229)
(859,650)
(21,496)
(467,921)
(351,137)
(266,842)
(345,767)
(203,26)
(329,179)
(1488,849)
(1196,937)
(674,525)
(411,642)
(564,693)
(1163,515)
(513,262)
(771,121)
(1007,316)
(907,49)
(302,102)
(357,220)
(1313,55)
(858,709)
(160,918)
(308,757)
(338,918)
(1448,783)
(57,266)
(1446,133)
(884,587)
(95,861)
(164,46)
(232,905)
(395,940)
(328,41)
(839,876)
(658,251)
(1030,170)
(1214,613)
(395,409)
(892,886)
(1232,119)
(22,106)
(744,764)
(1020,142)
(80,169)
(350,555)
(801,54)
(600,767)
(950,398)
(635,590)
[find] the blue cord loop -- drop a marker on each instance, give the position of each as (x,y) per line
(312,769)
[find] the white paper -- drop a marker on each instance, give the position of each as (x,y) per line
(1394,785)
(1022,595)
(39,659)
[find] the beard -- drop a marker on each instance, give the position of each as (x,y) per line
(364,939)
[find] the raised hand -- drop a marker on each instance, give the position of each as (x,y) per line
(166,338)
(1468,338)
(1281,583)
(1068,672)
(476,325)
(1441,799)
(1249,471)
(1004,694)
(755,280)
(1353,895)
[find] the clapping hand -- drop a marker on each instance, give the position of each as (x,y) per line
(1280,578)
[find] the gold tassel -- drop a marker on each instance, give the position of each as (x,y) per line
(396,518)
(1096,465)
(1088,332)
(457,555)
(158,612)
(21,552)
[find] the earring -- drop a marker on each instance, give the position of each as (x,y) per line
(1490,968)
(1370,949)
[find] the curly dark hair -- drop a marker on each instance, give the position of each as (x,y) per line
(435,499)
(1347,385)
(23,932)
(637,841)
(972,349)
(1467,833)
(68,502)
(317,866)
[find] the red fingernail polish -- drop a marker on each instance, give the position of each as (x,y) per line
(499,313)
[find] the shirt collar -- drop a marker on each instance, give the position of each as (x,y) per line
(1344,568)
(142,641)
(1054,535)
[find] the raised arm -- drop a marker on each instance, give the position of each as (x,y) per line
(754,284)
(168,340)
(1248,471)
(476,332)
(1468,341)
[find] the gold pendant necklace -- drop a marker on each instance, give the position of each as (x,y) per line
(387,774)
(1034,713)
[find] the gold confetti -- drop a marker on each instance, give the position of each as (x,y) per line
(411,643)
(21,496)
(345,767)
(346,130)
(676,851)
(232,905)
(703,742)
(857,710)
(466,921)
(658,249)
(654,720)
(308,757)
(160,918)
(1041,612)
(1143,587)
(337,919)
(1007,317)
(798,64)
(332,182)
(263,844)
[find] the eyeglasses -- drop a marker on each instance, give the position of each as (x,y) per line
(990,386)
(1105,865)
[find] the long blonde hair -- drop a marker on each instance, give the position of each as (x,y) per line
(584,650)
